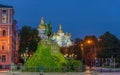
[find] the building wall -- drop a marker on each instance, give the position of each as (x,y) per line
(8,37)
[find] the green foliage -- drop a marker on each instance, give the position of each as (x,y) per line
(74,65)
(45,57)
(118,58)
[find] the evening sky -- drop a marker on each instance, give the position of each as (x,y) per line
(79,17)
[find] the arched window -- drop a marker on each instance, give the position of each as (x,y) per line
(4,33)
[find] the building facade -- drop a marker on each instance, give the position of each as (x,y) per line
(8,37)
(62,39)
(41,29)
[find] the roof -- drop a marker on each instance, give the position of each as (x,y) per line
(5,6)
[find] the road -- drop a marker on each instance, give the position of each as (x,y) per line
(115,73)
(69,73)
(110,73)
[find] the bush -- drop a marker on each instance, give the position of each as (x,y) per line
(74,65)
(46,57)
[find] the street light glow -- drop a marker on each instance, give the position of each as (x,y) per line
(89,41)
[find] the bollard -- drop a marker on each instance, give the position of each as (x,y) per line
(41,70)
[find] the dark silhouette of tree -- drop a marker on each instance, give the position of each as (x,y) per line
(63,50)
(77,48)
(109,46)
(28,38)
(90,44)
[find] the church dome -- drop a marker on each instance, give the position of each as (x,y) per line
(60,29)
(54,35)
(41,25)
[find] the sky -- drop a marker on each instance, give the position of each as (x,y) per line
(79,17)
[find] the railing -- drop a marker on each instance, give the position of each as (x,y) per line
(22,68)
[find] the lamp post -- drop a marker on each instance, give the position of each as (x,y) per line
(66,58)
(90,50)
(69,66)
(82,49)
(25,55)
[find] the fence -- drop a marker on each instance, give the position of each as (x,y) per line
(48,69)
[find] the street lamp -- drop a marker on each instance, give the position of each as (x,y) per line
(25,55)
(69,57)
(89,41)
(82,48)
(66,58)
(90,49)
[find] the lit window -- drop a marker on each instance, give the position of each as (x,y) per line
(4,20)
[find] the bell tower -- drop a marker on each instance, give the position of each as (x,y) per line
(8,36)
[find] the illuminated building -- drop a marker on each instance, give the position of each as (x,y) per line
(41,29)
(61,38)
(8,37)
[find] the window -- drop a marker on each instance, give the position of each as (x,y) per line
(3,58)
(4,11)
(3,47)
(4,20)
(4,33)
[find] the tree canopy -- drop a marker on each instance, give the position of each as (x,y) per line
(28,38)
(110,46)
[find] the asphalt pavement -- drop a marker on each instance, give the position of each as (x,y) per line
(58,73)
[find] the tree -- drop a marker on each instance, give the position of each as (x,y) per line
(77,47)
(90,44)
(28,38)
(109,46)
(78,41)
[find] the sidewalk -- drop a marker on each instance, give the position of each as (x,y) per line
(68,73)
(32,73)
(48,73)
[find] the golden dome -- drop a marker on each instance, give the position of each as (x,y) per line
(60,29)
(41,25)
